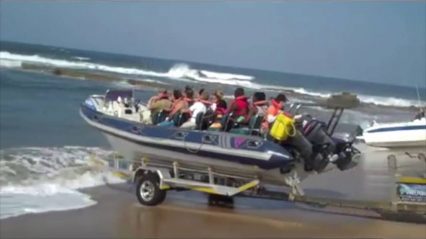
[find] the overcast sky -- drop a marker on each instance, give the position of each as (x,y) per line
(368,41)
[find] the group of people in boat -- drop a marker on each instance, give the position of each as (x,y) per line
(181,108)
(302,134)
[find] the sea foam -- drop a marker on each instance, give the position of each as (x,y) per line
(35,180)
(177,72)
(184,72)
(390,101)
(10,63)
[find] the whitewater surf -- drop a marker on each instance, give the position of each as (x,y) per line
(174,72)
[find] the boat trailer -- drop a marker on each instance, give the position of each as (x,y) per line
(154,179)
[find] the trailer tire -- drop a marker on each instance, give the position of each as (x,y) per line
(148,190)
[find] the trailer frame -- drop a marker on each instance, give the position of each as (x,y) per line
(222,188)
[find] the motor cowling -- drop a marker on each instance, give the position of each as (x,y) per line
(323,145)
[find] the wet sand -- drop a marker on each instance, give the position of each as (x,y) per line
(372,179)
(186,214)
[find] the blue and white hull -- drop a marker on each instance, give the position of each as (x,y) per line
(227,153)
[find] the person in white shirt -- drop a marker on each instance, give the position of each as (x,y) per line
(196,108)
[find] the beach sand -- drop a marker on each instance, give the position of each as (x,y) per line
(186,214)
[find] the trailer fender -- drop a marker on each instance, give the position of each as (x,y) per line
(161,173)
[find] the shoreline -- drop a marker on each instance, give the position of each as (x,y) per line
(186,214)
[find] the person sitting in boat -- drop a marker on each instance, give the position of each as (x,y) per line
(199,106)
(178,106)
(200,91)
(159,102)
(259,104)
(218,102)
(259,107)
(156,104)
(188,95)
(276,107)
(239,107)
(218,107)
(206,101)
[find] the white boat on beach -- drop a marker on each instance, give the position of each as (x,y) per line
(397,135)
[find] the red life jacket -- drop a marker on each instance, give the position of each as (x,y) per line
(241,106)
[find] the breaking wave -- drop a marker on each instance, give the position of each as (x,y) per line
(81,58)
(35,180)
(390,101)
(225,76)
(183,72)
(177,72)
(9,63)
(369,99)
(36,59)
(298,90)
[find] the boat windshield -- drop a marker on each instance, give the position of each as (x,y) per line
(112,95)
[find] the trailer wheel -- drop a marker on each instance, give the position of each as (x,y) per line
(148,190)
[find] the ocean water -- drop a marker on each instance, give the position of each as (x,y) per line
(175,72)
(47,152)
(40,168)
(29,105)
(42,179)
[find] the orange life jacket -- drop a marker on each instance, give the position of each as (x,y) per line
(274,108)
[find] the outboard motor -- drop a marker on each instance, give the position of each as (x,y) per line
(300,147)
(313,139)
(328,149)
(349,156)
(323,145)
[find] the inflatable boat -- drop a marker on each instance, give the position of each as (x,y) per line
(244,154)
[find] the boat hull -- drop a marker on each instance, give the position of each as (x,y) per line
(137,151)
(224,152)
(402,135)
(398,144)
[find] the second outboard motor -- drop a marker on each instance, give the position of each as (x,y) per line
(323,145)
(349,156)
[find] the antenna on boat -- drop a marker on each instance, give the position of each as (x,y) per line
(418,96)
